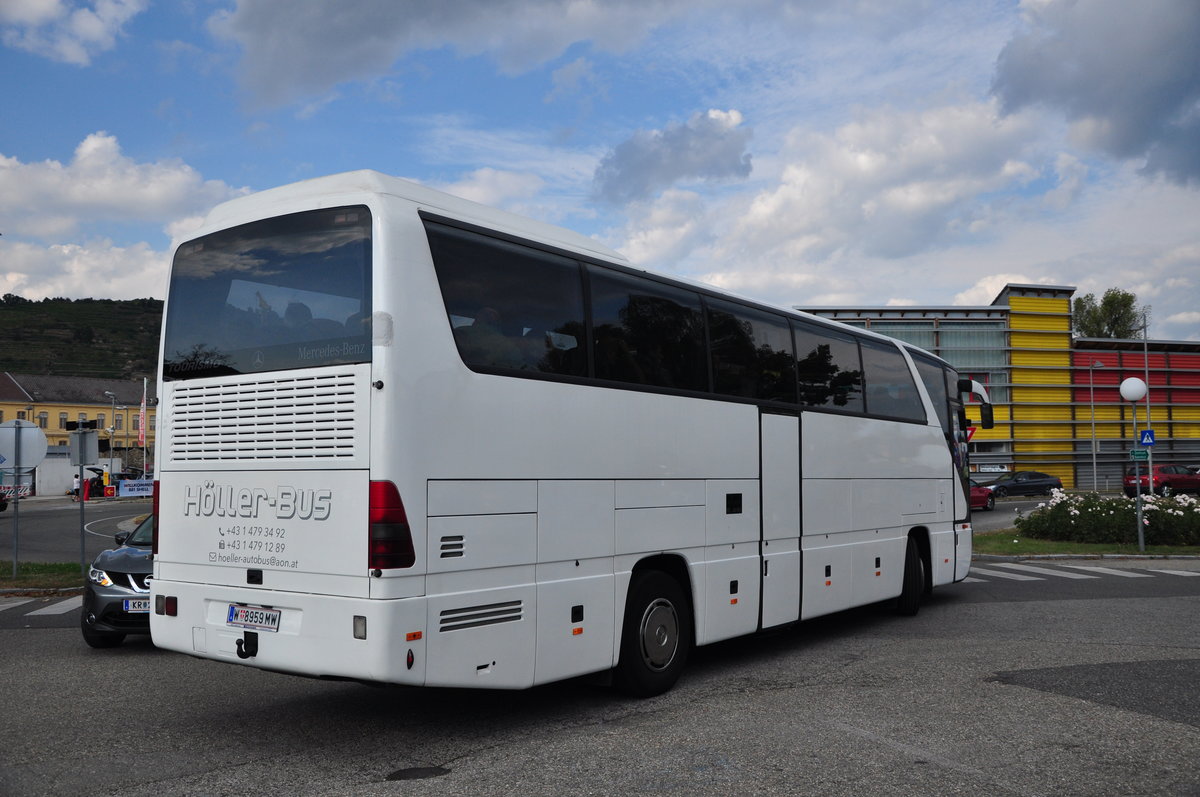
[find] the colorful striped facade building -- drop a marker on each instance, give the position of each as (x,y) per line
(1057,404)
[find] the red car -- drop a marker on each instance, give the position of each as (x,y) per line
(982,497)
(1167,479)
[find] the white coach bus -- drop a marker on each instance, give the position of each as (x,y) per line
(407,438)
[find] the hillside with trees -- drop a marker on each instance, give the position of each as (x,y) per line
(108,338)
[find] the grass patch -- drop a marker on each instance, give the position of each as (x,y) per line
(1009,542)
(40,575)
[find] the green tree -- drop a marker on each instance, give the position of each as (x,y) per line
(1116,315)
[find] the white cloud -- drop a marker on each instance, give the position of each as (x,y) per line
(318,44)
(70,32)
(988,288)
(709,146)
(889,184)
(1126,74)
(665,230)
(52,200)
(495,187)
(97,269)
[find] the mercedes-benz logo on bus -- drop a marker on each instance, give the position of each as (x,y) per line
(258,359)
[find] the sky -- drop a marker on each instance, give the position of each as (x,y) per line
(801,152)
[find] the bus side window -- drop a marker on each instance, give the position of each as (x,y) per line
(890,388)
(829,368)
(511,307)
(647,333)
(751,353)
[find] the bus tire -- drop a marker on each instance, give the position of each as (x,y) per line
(655,637)
(909,602)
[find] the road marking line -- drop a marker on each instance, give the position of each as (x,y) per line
(969,580)
(12,603)
(1045,571)
(998,574)
(1177,572)
(1108,571)
(62,607)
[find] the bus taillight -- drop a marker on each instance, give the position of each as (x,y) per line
(390,544)
(154,525)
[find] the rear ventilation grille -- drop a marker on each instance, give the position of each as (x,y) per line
(294,418)
(477,616)
(452,547)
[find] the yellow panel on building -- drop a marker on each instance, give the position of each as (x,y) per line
(1039,304)
(1041,395)
(1044,323)
(1047,358)
(1039,340)
(1043,413)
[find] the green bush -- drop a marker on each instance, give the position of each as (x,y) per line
(1089,517)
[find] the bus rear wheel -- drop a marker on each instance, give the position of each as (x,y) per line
(909,602)
(656,636)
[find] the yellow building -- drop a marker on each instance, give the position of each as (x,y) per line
(1050,390)
(53,402)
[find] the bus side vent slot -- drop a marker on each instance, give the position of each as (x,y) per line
(452,547)
(478,616)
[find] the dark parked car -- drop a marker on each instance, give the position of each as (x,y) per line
(981,497)
(1024,482)
(116,595)
(1167,479)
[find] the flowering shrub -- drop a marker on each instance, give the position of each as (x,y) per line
(1090,517)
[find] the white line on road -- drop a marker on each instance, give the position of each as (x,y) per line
(1045,571)
(1177,572)
(62,607)
(970,580)
(12,603)
(1108,571)
(998,574)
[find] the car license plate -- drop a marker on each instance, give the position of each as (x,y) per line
(137,606)
(253,617)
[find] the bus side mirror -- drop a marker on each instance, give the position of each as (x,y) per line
(964,385)
(986,419)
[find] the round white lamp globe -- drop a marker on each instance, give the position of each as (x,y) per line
(1133,389)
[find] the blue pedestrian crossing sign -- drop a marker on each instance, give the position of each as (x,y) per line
(1147,437)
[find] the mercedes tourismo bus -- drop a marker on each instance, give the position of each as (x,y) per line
(407,438)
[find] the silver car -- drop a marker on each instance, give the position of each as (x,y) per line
(116,596)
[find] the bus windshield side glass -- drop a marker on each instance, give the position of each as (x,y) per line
(283,293)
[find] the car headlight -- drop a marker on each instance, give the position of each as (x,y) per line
(97,576)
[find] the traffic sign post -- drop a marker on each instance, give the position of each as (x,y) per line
(1139,455)
(22,448)
(1146,437)
(85,450)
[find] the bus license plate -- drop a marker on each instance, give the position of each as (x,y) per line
(253,617)
(137,606)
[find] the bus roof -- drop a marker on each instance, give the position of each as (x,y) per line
(328,192)
(285,198)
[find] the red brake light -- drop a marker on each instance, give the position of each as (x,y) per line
(390,545)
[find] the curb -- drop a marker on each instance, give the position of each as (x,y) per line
(35,592)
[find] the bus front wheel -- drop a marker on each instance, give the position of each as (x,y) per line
(656,636)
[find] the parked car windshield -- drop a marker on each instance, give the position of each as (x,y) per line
(144,534)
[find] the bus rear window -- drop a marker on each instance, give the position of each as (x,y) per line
(288,292)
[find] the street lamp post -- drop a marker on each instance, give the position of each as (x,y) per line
(112,420)
(1133,390)
(124,422)
(1146,379)
(1092,388)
